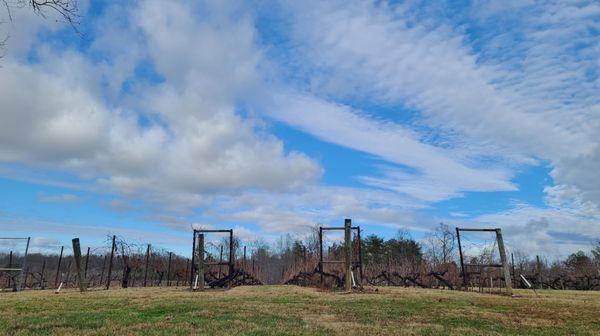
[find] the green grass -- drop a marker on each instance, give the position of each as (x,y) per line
(288,310)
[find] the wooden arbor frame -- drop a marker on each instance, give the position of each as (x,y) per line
(503,261)
(198,256)
(348,262)
(21,271)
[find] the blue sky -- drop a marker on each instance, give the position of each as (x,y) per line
(270,117)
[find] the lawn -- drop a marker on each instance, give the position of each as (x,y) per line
(289,310)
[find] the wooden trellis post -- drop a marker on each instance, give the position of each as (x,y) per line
(231,256)
(77,256)
(169,270)
(58,266)
(348,253)
(110,263)
(87,261)
(201,261)
(147,264)
(504,262)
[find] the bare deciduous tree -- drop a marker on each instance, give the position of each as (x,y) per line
(66,10)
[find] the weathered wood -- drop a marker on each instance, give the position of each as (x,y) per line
(462,262)
(147,265)
(193,267)
(348,254)
(110,263)
(201,261)
(87,262)
(231,254)
(77,256)
(321,255)
(504,261)
(58,266)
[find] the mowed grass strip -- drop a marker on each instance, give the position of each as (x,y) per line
(290,310)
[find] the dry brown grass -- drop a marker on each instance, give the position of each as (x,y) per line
(290,310)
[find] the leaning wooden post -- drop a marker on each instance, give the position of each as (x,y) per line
(193,261)
(169,270)
(462,263)
(58,266)
(201,261)
(348,254)
(77,255)
(87,261)
(110,262)
(504,261)
(147,264)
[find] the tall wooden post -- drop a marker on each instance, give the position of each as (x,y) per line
(77,255)
(514,274)
(110,262)
(348,254)
(193,267)
(147,264)
(169,270)
(244,263)
(504,261)
(87,261)
(321,255)
(462,262)
(58,266)
(201,261)
(231,254)
(10,258)
(360,259)
(539,271)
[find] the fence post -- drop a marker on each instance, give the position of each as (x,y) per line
(539,271)
(193,261)
(87,261)
(43,279)
(147,263)
(77,256)
(201,261)
(321,255)
(462,263)
(58,266)
(110,263)
(505,268)
(360,259)
(348,253)
(514,274)
(231,257)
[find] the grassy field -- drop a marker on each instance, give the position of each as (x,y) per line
(288,310)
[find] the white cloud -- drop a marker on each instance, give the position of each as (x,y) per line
(439,174)
(539,102)
(196,143)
